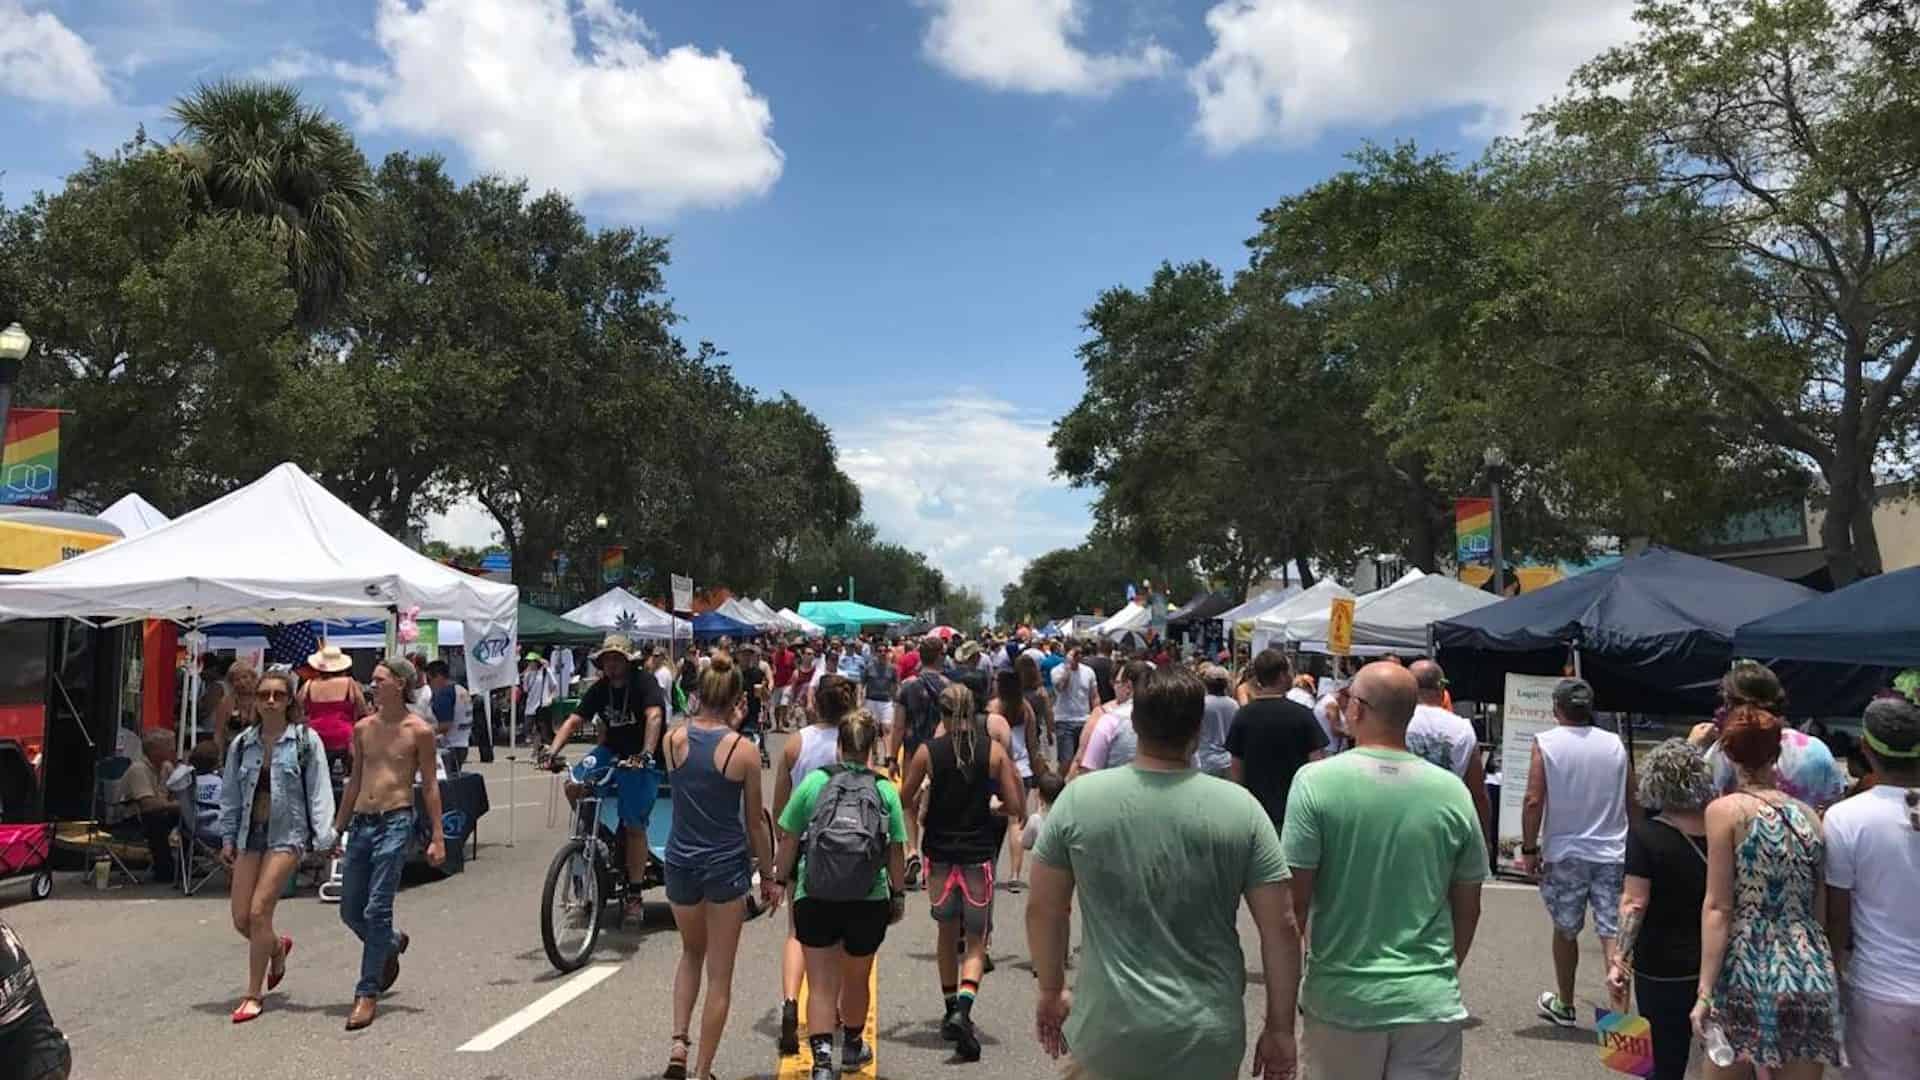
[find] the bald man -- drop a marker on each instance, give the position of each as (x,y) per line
(1447,740)
(1382,989)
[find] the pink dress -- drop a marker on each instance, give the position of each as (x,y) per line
(333,722)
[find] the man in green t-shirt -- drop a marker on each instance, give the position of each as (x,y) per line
(1382,989)
(1161,856)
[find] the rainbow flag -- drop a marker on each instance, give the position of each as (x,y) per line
(1473,531)
(30,461)
(613,565)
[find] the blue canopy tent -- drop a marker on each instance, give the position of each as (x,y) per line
(1836,650)
(713,625)
(1654,632)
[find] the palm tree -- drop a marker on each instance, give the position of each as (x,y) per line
(251,149)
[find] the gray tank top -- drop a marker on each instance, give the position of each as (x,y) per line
(819,747)
(707,826)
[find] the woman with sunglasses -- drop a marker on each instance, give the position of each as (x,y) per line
(276,804)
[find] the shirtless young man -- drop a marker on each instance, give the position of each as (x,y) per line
(390,748)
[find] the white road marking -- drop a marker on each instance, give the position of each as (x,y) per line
(549,1003)
(1510,886)
(519,805)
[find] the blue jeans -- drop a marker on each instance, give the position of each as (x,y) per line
(376,852)
(1066,741)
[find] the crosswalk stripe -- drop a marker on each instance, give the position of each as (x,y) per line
(800,1066)
(548,1004)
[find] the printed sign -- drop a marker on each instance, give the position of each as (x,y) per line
(1340,626)
(1473,532)
(613,565)
(1526,712)
(30,460)
(682,593)
(1626,1042)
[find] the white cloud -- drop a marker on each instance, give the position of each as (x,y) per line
(1029,45)
(966,481)
(576,96)
(1289,69)
(464,524)
(42,60)
(297,65)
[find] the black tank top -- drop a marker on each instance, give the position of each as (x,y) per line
(960,824)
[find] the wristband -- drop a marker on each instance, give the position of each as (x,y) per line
(1525,850)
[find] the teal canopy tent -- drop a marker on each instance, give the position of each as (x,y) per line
(844,617)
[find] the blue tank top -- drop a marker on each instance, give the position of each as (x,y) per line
(707,827)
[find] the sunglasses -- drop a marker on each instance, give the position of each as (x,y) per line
(274,695)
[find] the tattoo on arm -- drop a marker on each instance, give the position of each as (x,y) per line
(1630,922)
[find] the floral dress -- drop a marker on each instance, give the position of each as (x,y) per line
(1778,997)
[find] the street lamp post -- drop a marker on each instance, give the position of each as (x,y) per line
(14,343)
(1496,462)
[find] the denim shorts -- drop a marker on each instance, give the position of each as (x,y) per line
(257,841)
(1570,886)
(715,884)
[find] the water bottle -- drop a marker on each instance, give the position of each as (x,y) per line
(1719,1051)
(102,871)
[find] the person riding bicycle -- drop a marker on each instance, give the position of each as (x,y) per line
(629,714)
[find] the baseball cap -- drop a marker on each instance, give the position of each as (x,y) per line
(1574,692)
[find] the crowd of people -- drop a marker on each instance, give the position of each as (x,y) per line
(1752,900)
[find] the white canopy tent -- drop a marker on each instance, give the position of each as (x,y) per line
(1395,619)
(1271,624)
(620,611)
(280,550)
(1255,604)
(1133,618)
(133,515)
(744,611)
(793,620)
(769,618)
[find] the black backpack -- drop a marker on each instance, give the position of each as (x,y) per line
(846,836)
(923,710)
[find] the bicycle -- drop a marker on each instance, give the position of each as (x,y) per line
(587,883)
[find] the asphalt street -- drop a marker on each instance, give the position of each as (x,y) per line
(142,979)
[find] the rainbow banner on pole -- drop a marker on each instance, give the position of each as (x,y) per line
(613,565)
(1473,531)
(30,462)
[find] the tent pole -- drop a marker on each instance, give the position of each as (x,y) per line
(513,757)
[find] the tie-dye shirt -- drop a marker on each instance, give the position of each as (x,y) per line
(1806,770)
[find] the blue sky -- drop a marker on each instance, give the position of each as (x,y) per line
(894,209)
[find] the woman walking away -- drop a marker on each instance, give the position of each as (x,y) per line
(276,804)
(716,787)
(1873,877)
(1666,886)
(1767,981)
(1041,727)
(1010,704)
(962,767)
(845,892)
(331,700)
(817,746)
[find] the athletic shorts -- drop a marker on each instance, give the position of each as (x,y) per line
(962,893)
(859,925)
(691,885)
(1570,886)
(882,713)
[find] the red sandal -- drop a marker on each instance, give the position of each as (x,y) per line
(242,1014)
(286,950)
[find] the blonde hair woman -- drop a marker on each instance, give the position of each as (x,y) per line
(276,804)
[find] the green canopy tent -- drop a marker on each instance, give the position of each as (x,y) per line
(844,617)
(539,627)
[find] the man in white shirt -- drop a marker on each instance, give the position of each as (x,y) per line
(1573,831)
(1074,694)
(1873,874)
(537,692)
(1448,740)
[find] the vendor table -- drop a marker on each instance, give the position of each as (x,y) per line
(463,802)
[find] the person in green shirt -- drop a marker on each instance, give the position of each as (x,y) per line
(1161,856)
(1382,988)
(840,937)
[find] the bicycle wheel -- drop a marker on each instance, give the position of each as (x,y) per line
(570,906)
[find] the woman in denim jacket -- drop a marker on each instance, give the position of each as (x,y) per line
(266,829)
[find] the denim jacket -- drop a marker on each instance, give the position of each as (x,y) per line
(294,812)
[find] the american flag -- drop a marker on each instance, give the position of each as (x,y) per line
(292,643)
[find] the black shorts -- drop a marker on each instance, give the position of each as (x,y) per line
(860,925)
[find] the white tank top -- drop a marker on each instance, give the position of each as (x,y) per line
(1021,762)
(819,747)
(1586,795)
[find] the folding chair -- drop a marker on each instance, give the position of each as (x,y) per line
(107,773)
(196,859)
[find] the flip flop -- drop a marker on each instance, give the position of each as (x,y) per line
(241,1015)
(286,950)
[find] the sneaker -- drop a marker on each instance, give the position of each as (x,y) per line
(967,1046)
(789,1029)
(823,1072)
(855,1056)
(1553,1010)
(953,1025)
(913,873)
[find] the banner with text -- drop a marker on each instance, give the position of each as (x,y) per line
(1340,626)
(30,460)
(1526,712)
(613,565)
(682,592)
